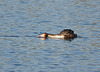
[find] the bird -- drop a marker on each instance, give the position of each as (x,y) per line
(66,33)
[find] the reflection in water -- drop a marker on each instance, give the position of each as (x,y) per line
(67,39)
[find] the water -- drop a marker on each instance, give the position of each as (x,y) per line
(22,20)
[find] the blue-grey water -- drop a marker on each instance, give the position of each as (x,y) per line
(22,20)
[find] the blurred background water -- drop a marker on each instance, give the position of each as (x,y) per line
(22,20)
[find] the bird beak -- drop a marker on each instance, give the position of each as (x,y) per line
(40,36)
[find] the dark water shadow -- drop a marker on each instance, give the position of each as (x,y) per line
(8,36)
(16,36)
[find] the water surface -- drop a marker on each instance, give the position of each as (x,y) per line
(22,20)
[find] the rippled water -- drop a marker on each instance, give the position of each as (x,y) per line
(22,20)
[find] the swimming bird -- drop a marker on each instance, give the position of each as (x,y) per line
(66,33)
